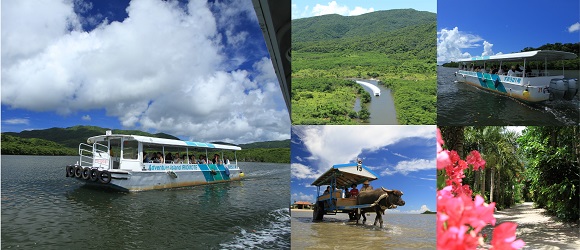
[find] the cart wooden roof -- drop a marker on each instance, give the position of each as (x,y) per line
(346,175)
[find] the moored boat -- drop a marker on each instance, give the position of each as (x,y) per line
(521,82)
(123,162)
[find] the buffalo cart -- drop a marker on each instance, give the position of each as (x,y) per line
(337,177)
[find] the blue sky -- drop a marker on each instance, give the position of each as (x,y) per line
(308,8)
(475,28)
(197,70)
(402,156)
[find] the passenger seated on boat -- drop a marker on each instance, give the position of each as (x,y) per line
(202,159)
(192,160)
(346,193)
(177,159)
(494,70)
(327,191)
(216,159)
(168,158)
(146,158)
(184,159)
(512,71)
(501,71)
(227,162)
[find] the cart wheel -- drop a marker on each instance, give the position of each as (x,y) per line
(318,212)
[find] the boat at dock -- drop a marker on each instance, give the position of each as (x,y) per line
(123,162)
(530,84)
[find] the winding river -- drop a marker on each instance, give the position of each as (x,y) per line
(382,108)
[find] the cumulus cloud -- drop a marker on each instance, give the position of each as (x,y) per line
(574,27)
(17,121)
(300,171)
(331,144)
(335,8)
(86,118)
(405,167)
(302,197)
(165,68)
(451,43)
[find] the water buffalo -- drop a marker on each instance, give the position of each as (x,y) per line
(381,199)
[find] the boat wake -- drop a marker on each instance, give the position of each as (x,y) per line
(273,233)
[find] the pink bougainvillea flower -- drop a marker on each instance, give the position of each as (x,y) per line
(504,237)
(443,159)
(474,158)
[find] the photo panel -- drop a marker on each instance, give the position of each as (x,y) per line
(366,63)
(388,172)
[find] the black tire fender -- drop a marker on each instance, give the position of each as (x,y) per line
(78,171)
(104,177)
(70,171)
(86,173)
(94,174)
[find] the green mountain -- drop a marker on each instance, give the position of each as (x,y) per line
(335,26)
(72,136)
(267,144)
(397,47)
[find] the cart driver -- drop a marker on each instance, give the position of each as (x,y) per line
(366,186)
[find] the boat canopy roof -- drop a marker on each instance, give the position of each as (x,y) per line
(162,141)
(346,175)
(536,55)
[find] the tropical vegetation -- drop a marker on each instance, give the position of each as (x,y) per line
(541,165)
(396,47)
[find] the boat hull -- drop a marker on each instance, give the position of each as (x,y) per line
(163,176)
(529,89)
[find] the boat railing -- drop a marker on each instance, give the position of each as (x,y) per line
(88,152)
(85,155)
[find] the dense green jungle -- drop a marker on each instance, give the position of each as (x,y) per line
(65,141)
(396,47)
(541,165)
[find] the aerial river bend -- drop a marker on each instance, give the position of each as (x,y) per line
(382,108)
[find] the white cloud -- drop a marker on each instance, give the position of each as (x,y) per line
(163,69)
(335,8)
(487,51)
(300,171)
(86,117)
(421,210)
(329,145)
(405,167)
(302,197)
(17,121)
(451,42)
(400,155)
(516,129)
(574,27)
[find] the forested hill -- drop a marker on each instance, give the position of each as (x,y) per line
(71,137)
(396,47)
(335,26)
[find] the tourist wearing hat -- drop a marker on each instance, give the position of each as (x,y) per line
(366,186)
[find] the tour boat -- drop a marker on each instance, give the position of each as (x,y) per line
(530,85)
(136,163)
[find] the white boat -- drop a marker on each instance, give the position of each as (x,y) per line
(531,85)
(118,161)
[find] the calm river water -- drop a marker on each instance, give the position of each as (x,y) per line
(382,108)
(462,104)
(400,231)
(41,208)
